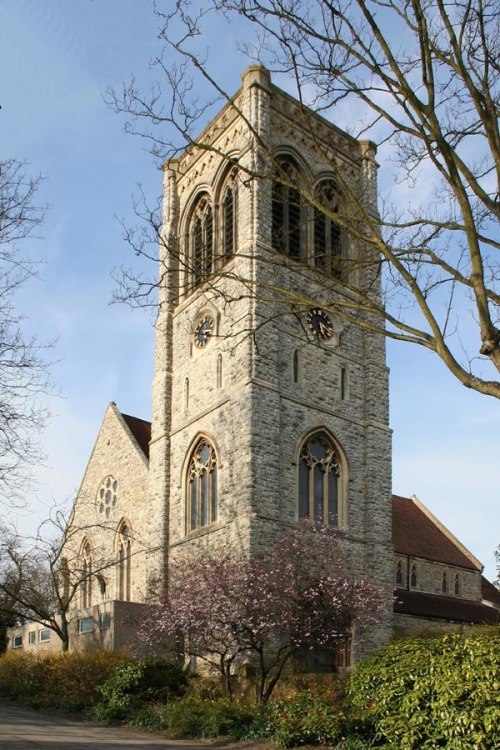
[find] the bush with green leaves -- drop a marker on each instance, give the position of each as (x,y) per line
(135,683)
(311,712)
(195,716)
(436,692)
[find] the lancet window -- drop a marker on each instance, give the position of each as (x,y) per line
(124,562)
(200,241)
(202,486)
(319,480)
(327,232)
(287,211)
(86,574)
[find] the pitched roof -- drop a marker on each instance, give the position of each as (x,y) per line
(439,607)
(417,533)
(489,592)
(141,430)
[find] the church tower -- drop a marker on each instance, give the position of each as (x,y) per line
(268,405)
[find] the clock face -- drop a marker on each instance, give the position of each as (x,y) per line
(204,330)
(319,323)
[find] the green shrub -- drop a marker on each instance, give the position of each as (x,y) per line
(135,683)
(310,714)
(354,743)
(433,692)
(70,681)
(204,718)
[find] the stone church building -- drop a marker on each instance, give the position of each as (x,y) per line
(268,406)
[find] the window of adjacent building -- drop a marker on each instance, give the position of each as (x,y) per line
(105,621)
(319,472)
(17,641)
(444,583)
(458,585)
(287,210)
(32,637)
(86,625)
(399,574)
(124,562)
(202,486)
(327,232)
(413,576)
(44,635)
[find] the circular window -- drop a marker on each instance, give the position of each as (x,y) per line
(106,496)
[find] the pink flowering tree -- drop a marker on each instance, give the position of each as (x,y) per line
(226,610)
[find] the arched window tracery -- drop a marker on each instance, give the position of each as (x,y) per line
(200,241)
(327,232)
(202,486)
(319,480)
(287,210)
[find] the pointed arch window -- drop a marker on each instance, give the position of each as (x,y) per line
(201,241)
(86,574)
(399,574)
(327,232)
(444,583)
(287,210)
(319,480)
(228,220)
(202,486)
(124,562)
(413,577)
(458,585)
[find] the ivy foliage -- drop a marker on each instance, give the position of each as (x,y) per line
(433,693)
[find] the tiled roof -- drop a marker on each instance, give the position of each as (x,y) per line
(414,533)
(443,607)
(141,430)
(489,592)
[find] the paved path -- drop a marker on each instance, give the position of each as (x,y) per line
(23,729)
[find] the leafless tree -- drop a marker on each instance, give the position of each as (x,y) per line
(47,575)
(422,79)
(23,369)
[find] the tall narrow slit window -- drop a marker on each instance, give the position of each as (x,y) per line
(124,562)
(287,212)
(202,486)
(228,223)
(201,242)
(319,480)
(327,232)
(86,574)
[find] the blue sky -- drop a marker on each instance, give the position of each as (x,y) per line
(56,61)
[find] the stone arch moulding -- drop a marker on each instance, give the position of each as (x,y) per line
(227,167)
(205,307)
(188,453)
(289,153)
(343,483)
(201,485)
